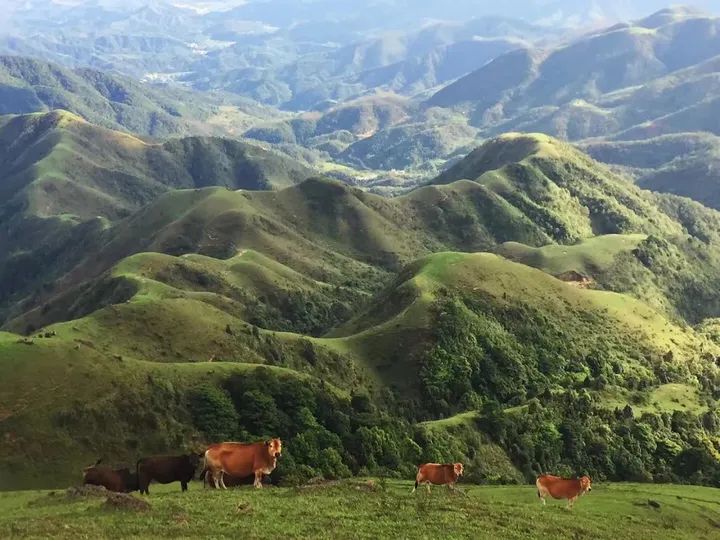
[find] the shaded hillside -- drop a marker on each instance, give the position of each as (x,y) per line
(58,164)
(686,164)
(28,85)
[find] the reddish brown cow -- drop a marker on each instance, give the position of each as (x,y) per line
(119,480)
(438,474)
(562,488)
(241,460)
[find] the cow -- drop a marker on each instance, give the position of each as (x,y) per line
(242,459)
(118,480)
(167,469)
(562,488)
(438,474)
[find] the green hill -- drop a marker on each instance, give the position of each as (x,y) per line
(62,179)
(372,323)
(60,164)
(536,337)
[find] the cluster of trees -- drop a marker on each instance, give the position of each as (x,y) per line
(536,391)
(326,434)
(569,433)
(538,395)
(333,436)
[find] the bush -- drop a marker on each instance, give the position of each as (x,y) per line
(213,413)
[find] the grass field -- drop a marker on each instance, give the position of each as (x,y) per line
(371,509)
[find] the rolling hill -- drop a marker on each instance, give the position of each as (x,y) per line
(64,180)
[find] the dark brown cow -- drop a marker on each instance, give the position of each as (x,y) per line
(562,488)
(167,469)
(241,460)
(118,480)
(438,474)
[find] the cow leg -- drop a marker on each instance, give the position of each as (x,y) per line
(258,479)
(427,486)
(222,480)
(183,485)
(570,503)
(216,476)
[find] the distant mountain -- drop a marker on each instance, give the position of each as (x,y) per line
(632,82)
(28,85)
(623,56)
(686,164)
(117,102)
(329,52)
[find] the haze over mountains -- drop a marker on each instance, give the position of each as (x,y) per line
(471,240)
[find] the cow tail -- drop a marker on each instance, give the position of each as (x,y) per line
(416,484)
(203,474)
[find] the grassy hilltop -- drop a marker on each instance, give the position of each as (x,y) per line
(372,509)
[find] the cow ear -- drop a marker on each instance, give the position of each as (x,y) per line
(268,443)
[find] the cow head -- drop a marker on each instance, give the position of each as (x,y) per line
(458,468)
(195,459)
(274,447)
(585,484)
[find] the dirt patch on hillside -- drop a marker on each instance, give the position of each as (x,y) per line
(123,501)
(77,492)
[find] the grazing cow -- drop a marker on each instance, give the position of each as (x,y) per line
(562,488)
(241,460)
(167,469)
(118,480)
(438,474)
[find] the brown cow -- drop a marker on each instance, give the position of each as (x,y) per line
(167,469)
(562,488)
(118,480)
(241,459)
(438,474)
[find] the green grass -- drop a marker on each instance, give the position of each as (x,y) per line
(452,421)
(372,509)
(587,257)
(667,397)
